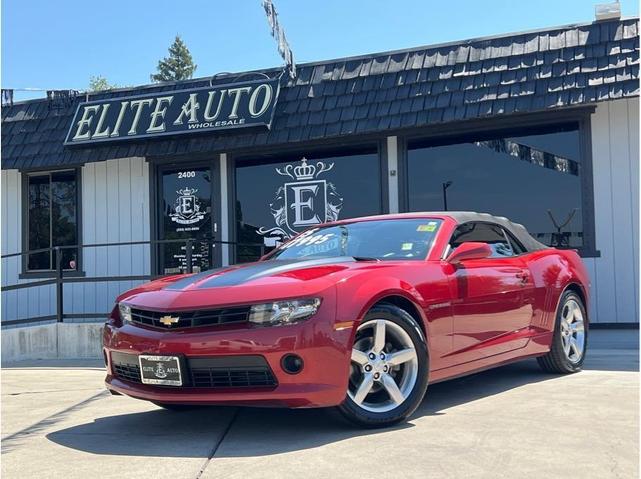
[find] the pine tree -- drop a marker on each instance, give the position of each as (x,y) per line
(177,66)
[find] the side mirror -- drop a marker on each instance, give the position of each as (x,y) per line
(470,250)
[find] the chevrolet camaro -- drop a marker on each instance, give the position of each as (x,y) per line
(359,314)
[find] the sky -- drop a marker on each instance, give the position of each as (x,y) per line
(61,44)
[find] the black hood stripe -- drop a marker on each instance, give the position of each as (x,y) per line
(194,278)
(250,272)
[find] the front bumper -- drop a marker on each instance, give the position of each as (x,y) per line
(322,344)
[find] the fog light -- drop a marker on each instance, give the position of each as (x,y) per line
(292,364)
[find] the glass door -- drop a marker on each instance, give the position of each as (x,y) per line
(186,212)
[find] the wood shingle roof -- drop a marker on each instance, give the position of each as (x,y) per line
(512,74)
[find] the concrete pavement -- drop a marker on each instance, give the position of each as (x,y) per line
(515,421)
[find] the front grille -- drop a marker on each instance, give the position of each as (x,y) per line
(206,372)
(129,372)
(190,319)
(212,378)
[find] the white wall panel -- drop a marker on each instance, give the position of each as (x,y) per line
(635,176)
(615,152)
(115,210)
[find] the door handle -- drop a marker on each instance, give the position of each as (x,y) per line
(523,276)
(510,270)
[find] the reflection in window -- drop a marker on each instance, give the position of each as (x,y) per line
(52,219)
(279,197)
(532,177)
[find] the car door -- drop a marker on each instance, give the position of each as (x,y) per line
(488,295)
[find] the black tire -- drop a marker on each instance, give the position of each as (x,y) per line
(556,361)
(362,417)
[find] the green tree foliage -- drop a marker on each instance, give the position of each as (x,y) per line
(177,66)
(99,83)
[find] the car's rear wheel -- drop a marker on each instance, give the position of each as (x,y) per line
(569,343)
(389,368)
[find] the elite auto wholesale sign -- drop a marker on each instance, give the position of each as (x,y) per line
(177,112)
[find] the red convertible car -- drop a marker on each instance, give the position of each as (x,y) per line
(360,314)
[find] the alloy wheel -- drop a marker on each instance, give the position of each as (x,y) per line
(572,331)
(384,366)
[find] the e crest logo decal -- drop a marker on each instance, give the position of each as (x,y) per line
(304,202)
(187,208)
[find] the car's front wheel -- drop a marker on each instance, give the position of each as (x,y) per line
(389,368)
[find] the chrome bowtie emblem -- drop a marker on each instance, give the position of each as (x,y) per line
(169,320)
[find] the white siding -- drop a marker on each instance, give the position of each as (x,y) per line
(615,152)
(115,208)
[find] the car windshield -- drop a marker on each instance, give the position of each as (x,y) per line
(405,239)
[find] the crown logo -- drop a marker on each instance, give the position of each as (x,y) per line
(187,191)
(304,171)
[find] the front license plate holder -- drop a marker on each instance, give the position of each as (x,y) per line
(160,370)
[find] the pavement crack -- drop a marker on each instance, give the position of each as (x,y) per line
(50,391)
(217,444)
(11,441)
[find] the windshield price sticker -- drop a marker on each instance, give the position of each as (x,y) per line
(309,238)
(319,248)
(429,227)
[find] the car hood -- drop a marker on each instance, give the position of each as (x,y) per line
(246,283)
(263,272)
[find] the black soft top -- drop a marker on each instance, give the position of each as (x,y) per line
(461,217)
(518,230)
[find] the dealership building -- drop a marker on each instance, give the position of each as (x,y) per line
(541,127)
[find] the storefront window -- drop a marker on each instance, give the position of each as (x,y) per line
(52,219)
(532,177)
(277,198)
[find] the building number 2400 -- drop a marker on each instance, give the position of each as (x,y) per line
(186,174)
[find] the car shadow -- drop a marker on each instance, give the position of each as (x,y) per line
(261,432)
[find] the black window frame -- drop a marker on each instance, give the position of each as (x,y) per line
(27,273)
(159,165)
(448,248)
(443,134)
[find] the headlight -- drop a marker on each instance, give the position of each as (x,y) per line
(283,312)
(125,313)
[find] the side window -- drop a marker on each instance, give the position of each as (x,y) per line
(483,233)
(517,247)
